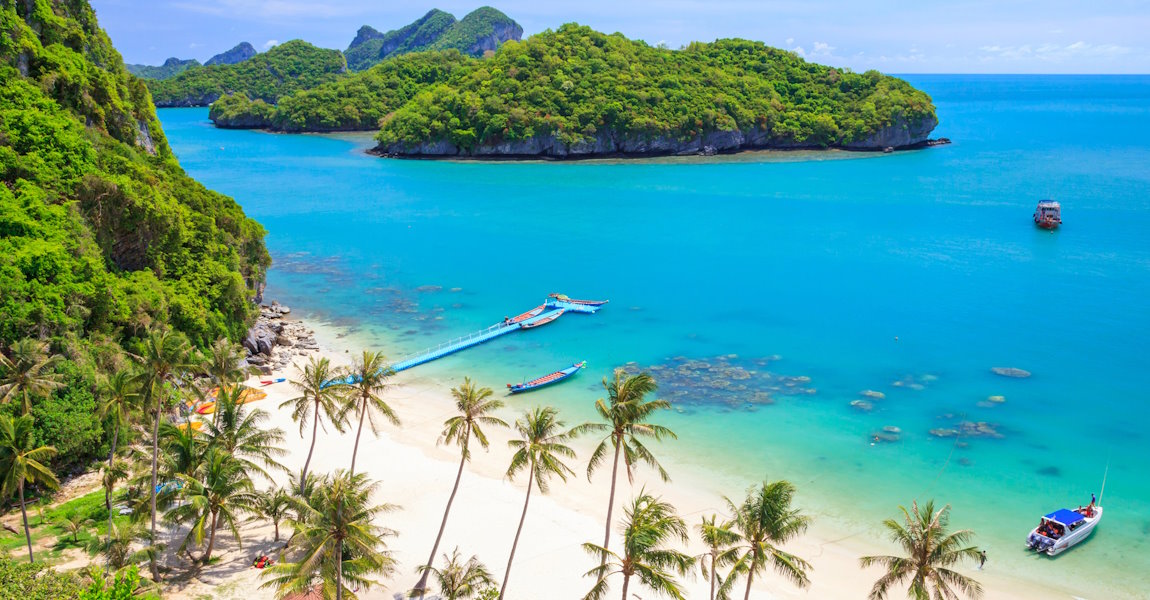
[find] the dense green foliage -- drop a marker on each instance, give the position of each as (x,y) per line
(171,67)
(371,46)
(575,82)
(102,234)
(478,32)
(295,65)
(481,30)
(354,103)
(20,580)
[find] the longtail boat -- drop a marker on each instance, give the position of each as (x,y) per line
(543,321)
(565,298)
(555,377)
(195,425)
(535,312)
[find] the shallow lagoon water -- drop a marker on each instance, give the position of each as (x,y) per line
(910,274)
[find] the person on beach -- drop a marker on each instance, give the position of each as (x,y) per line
(981,559)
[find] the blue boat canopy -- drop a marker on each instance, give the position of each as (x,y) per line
(1066,516)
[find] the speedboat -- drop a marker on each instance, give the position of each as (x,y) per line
(1063,528)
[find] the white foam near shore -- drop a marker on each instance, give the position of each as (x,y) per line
(416,474)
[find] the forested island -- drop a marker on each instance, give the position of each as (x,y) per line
(578,92)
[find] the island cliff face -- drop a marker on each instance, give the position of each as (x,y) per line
(481,30)
(900,134)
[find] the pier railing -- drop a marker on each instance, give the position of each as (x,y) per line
(459,341)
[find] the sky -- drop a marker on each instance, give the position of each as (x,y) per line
(896,36)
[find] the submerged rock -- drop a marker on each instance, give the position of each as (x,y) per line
(862,405)
(1010,372)
(872,394)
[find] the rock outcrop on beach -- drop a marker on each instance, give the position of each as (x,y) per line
(274,340)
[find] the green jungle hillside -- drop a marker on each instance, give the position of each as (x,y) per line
(103,237)
(287,68)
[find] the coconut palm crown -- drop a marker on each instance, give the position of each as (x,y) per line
(648,526)
(931,553)
(765,520)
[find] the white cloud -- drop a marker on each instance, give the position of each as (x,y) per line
(270,44)
(193,45)
(822,49)
(1053,52)
(790,41)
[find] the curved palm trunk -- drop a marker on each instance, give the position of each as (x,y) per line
(314,430)
(626,584)
(155,466)
(276,523)
(522,517)
(211,538)
(108,490)
(750,578)
(24,513)
(358,432)
(610,502)
(421,587)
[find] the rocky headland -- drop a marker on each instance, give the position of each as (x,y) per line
(275,340)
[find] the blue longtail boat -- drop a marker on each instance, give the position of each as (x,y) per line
(549,379)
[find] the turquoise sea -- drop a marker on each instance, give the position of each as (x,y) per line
(909,274)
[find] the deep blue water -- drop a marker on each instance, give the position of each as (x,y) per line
(856,270)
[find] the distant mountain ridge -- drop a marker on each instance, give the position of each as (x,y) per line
(481,30)
(171,67)
(241,52)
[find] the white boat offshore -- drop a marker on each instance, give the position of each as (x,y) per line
(1064,528)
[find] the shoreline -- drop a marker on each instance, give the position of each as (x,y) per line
(417,474)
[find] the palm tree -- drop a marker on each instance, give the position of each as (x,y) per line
(474,405)
(648,525)
(112,474)
(765,520)
(240,432)
(540,452)
(458,580)
(121,398)
(274,505)
(720,538)
(222,363)
(319,393)
(624,421)
(74,524)
(126,544)
(931,552)
(21,463)
(369,376)
(341,545)
(166,355)
(217,497)
(28,373)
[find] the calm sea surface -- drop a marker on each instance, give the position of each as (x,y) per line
(737,279)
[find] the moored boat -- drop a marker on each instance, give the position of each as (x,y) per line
(548,379)
(1048,214)
(530,324)
(1063,528)
(535,312)
(565,298)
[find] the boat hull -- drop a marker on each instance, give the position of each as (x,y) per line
(546,380)
(1044,545)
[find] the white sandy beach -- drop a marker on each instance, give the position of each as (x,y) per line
(417,475)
